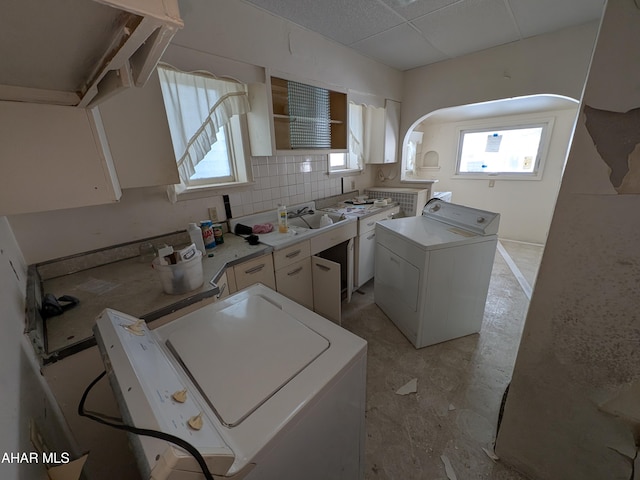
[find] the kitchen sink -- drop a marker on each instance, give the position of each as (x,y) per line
(312,220)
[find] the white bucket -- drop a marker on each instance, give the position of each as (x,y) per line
(181,277)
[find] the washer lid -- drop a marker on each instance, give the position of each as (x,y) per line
(243,354)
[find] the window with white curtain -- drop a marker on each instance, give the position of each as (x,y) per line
(206,121)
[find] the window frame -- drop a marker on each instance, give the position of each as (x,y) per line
(490,126)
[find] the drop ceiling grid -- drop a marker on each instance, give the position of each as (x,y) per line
(380,29)
(468,26)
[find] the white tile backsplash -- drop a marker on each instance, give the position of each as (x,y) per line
(284,180)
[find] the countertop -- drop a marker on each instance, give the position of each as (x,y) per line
(132,287)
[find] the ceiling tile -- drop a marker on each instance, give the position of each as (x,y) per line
(410,9)
(544,16)
(400,47)
(344,21)
(468,26)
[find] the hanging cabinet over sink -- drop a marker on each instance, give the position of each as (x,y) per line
(308,117)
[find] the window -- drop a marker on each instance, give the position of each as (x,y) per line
(351,162)
(516,151)
(207,124)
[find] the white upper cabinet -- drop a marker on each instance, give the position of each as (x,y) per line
(80,52)
(53,157)
(135,122)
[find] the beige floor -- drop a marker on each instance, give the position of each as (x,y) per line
(454,413)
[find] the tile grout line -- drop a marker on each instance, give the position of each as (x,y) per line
(526,288)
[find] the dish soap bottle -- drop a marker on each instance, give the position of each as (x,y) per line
(195,234)
(282,219)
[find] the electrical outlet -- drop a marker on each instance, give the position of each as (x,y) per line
(492,183)
(213,214)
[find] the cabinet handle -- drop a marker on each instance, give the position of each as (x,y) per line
(255,269)
(371,236)
(323,267)
(293,254)
(370,223)
(394,260)
(224,287)
(295,272)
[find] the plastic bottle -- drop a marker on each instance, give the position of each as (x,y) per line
(206,226)
(196,237)
(282,219)
(325,220)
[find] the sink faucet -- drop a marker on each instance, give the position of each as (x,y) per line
(302,210)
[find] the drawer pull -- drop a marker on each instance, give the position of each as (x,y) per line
(323,267)
(293,254)
(371,236)
(255,269)
(295,272)
(370,223)
(222,289)
(394,260)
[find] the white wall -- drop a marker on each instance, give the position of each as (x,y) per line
(23,393)
(573,407)
(525,206)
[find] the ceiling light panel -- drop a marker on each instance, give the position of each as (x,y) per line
(542,16)
(400,47)
(468,26)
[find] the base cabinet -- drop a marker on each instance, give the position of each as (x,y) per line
(258,270)
(366,243)
(295,282)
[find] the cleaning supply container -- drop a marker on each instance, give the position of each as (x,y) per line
(181,277)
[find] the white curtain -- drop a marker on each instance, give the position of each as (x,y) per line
(197,105)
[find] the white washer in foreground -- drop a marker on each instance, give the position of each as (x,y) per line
(432,272)
(281,389)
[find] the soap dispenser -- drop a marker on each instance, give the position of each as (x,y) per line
(282,219)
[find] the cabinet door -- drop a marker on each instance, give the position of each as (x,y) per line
(138,133)
(326,288)
(223,285)
(53,157)
(294,282)
(366,257)
(258,270)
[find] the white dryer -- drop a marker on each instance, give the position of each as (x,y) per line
(279,389)
(432,271)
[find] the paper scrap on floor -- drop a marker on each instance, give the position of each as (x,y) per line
(448,468)
(410,387)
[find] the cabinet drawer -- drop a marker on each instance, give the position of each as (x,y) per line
(333,237)
(294,282)
(369,223)
(292,254)
(258,270)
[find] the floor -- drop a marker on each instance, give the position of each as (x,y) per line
(452,418)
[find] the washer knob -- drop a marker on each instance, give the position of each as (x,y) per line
(480,219)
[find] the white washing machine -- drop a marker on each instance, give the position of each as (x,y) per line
(280,390)
(432,271)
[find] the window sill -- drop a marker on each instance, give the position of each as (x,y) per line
(345,172)
(211,190)
(498,176)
